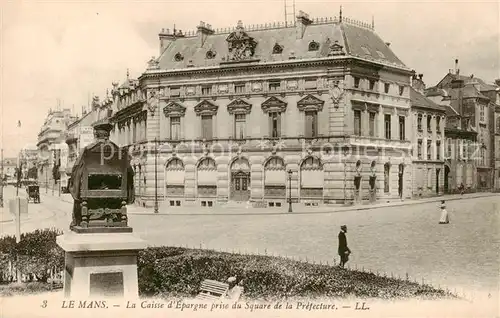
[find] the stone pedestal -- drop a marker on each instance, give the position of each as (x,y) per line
(100,264)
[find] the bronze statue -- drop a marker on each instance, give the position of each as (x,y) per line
(101,184)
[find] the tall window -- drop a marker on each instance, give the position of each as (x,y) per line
(419,122)
(387,176)
(357,122)
(481,113)
(206,126)
(356,82)
(311,124)
(449,143)
(239,126)
(387,125)
(175,128)
(438,150)
(419,149)
(429,177)
(372,124)
(372,85)
(429,149)
(429,121)
(438,124)
(402,128)
(401,90)
(386,87)
(275,124)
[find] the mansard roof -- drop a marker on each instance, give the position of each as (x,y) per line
(353,38)
(419,100)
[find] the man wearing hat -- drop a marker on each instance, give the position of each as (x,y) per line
(344,251)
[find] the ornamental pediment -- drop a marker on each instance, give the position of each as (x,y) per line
(174,109)
(206,108)
(239,106)
(310,103)
(273,104)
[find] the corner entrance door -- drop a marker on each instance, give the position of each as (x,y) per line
(438,171)
(240,186)
(446,178)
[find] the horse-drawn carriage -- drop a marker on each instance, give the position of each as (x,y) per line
(33,191)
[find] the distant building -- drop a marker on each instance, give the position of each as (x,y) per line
(9,168)
(429,121)
(473,101)
(28,158)
(50,138)
(233,110)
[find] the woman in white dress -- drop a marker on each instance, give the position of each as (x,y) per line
(445,219)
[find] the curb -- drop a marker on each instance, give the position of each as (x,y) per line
(357,208)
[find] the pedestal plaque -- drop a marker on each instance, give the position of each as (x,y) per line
(102,264)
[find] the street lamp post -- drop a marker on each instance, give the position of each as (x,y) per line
(156,179)
(290,190)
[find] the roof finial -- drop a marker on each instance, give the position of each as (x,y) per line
(340,14)
(128,73)
(373,22)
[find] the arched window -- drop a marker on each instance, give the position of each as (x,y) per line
(275,163)
(175,164)
(207,164)
(277,49)
(313,46)
(210,54)
(178,57)
(311,163)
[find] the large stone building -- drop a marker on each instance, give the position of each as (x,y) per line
(50,139)
(474,101)
(9,166)
(429,121)
(226,115)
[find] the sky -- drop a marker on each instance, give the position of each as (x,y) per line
(69,50)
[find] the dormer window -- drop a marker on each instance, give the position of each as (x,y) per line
(178,57)
(277,49)
(313,46)
(210,54)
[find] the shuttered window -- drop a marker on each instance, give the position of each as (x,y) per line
(206,126)
(311,124)
(275,124)
(175,128)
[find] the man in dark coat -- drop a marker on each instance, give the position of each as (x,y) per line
(344,251)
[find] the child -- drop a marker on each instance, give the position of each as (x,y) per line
(445,219)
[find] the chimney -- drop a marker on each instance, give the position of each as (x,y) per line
(204,30)
(457,70)
(388,44)
(303,21)
(417,83)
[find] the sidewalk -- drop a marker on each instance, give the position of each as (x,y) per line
(166,210)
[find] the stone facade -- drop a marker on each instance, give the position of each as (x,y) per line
(428,122)
(51,134)
(497,148)
(473,101)
(207,132)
